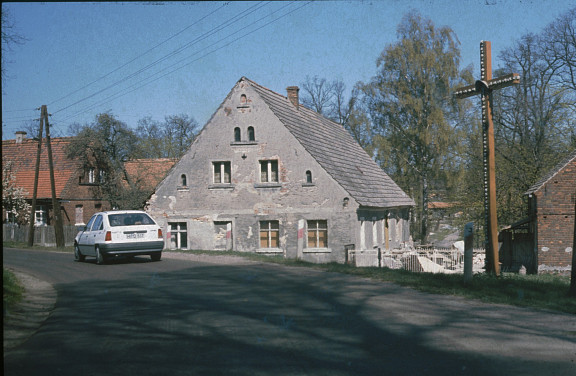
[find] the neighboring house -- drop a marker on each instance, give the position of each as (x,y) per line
(76,187)
(73,184)
(543,242)
(146,174)
(269,175)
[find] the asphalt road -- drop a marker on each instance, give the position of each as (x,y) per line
(225,316)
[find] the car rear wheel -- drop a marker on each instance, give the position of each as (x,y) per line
(156,256)
(100,259)
(78,256)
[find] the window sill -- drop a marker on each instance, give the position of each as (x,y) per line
(267,185)
(221,186)
(90,184)
(243,143)
(308,184)
(269,250)
(183,189)
(317,250)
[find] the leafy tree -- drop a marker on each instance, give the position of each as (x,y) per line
(413,112)
(13,197)
(104,146)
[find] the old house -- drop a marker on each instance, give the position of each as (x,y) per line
(76,186)
(543,241)
(72,183)
(269,175)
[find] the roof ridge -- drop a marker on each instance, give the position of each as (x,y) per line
(552,172)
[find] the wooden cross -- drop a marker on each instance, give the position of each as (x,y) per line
(485,86)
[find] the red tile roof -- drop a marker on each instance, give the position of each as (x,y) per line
(23,156)
(148,172)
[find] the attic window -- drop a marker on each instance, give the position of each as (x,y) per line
(237,134)
(243,99)
(251,135)
(183,180)
(91,176)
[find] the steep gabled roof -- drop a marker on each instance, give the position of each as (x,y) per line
(337,152)
(23,157)
(559,167)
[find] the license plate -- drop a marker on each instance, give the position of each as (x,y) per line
(135,236)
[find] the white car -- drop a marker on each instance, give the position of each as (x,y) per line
(119,233)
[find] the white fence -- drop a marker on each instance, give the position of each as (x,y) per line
(438,260)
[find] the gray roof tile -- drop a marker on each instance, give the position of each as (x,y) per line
(337,152)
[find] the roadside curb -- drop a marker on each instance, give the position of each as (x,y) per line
(27,316)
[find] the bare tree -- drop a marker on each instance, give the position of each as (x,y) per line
(9,37)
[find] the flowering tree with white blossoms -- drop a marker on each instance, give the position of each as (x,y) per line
(13,197)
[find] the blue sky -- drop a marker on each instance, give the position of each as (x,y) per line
(166,58)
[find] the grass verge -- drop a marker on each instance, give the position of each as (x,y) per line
(13,290)
(543,291)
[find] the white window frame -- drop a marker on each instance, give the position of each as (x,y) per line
(219,167)
(270,164)
(178,232)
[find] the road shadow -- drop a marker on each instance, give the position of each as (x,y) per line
(263,319)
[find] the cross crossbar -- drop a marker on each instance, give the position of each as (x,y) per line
(493,84)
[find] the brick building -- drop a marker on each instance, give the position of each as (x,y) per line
(551,203)
(76,187)
(268,175)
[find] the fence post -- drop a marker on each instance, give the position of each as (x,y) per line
(468,251)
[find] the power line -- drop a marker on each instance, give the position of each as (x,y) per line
(124,92)
(202,37)
(142,54)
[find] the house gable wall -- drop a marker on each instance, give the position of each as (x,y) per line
(246,200)
(555,220)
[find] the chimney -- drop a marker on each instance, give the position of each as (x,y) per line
(20,136)
(293,95)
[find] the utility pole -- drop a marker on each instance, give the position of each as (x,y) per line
(485,86)
(58,228)
(35,194)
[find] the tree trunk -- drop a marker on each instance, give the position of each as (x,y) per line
(572,291)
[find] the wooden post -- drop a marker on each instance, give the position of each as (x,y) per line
(485,86)
(58,228)
(35,194)
(468,251)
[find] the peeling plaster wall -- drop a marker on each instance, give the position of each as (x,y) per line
(246,201)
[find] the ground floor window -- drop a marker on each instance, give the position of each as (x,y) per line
(178,235)
(269,234)
(79,215)
(317,234)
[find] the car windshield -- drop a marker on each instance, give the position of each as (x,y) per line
(130,219)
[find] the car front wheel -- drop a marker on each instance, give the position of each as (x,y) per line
(100,259)
(78,256)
